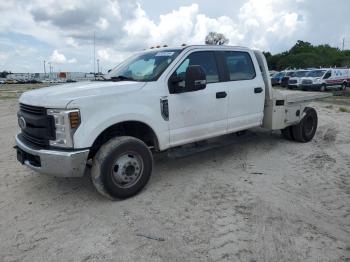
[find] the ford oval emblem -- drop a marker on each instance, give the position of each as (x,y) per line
(22,122)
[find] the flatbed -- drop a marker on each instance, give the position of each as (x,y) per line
(301,96)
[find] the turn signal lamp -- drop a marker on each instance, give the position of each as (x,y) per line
(74,119)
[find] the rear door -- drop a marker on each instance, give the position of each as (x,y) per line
(196,115)
(246,90)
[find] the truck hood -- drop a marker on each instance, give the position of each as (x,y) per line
(60,95)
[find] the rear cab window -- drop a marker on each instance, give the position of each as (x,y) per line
(240,65)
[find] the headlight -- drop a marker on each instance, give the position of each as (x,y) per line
(318,80)
(66,122)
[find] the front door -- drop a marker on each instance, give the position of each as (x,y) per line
(201,114)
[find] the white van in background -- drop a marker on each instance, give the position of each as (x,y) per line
(294,81)
(326,78)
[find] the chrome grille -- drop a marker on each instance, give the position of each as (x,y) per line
(39,127)
(306,82)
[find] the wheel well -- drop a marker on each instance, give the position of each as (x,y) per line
(129,128)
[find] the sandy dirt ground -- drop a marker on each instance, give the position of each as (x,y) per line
(257,198)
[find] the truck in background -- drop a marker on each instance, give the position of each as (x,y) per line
(326,78)
(294,81)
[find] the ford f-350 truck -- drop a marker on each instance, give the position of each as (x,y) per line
(156,100)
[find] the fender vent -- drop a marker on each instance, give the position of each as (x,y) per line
(164,108)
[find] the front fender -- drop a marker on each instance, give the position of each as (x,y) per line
(95,120)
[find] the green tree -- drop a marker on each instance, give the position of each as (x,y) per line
(304,55)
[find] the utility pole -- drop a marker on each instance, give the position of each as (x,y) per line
(343,44)
(94,54)
(44,69)
(98,67)
(49,69)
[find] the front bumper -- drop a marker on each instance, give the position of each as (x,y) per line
(293,86)
(53,162)
(311,86)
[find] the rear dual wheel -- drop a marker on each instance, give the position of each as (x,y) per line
(287,133)
(305,130)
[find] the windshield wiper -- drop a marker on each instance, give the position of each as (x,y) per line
(122,78)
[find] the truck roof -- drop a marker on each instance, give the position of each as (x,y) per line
(214,47)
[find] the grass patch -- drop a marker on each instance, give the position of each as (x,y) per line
(7,97)
(344,109)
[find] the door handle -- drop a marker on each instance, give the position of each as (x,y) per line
(258,90)
(221,95)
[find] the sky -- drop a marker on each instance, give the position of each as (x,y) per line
(61,32)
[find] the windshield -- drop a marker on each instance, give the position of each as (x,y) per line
(291,73)
(316,73)
(144,67)
(278,75)
(300,73)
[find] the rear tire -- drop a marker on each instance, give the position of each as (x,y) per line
(121,167)
(306,129)
(287,133)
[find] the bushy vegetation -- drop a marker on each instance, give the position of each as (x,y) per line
(3,74)
(304,55)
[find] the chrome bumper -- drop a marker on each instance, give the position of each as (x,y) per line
(56,163)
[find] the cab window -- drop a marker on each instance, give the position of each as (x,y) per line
(240,65)
(206,60)
(327,75)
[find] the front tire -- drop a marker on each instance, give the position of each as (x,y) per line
(323,88)
(343,86)
(122,167)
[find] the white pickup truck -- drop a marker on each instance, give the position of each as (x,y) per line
(156,100)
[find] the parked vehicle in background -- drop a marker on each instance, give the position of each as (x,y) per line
(272,73)
(11,81)
(323,79)
(294,81)
(276,78)
(285,79)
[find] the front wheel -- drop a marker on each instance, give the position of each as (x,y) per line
(122,167)
(343,86)
(323,88)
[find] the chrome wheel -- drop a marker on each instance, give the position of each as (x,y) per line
(127,169)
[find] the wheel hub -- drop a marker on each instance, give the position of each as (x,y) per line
(127,169)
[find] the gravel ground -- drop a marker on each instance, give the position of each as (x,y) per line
(255,197)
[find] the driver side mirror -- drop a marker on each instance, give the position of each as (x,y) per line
(195,79)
